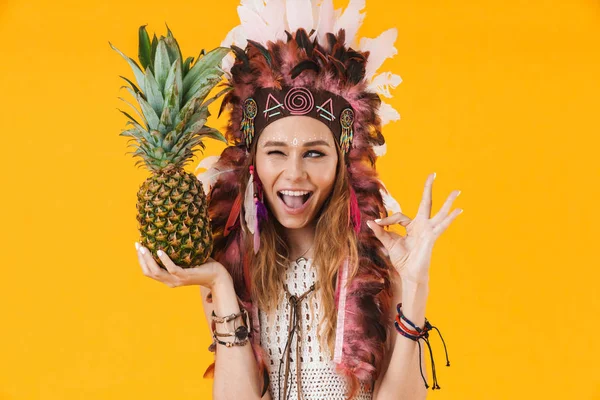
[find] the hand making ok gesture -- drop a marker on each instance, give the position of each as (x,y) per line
(411,254)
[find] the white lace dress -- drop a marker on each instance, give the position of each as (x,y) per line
(317,371)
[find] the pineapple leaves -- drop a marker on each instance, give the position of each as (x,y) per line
(149,113)
(172,96)
(153,137)
(216,96)
(186,65)
(195,125)
(153,93)
(172,100)
(204,66)
(139,75)
(153,51)
(161,64)
(202,88)
(208,132)
(173,48)
(133,86)
(129,116)
(132,106)
(145,48)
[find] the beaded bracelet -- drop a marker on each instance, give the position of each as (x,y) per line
(240,333)
(416,334)
(231,317)
(241,337)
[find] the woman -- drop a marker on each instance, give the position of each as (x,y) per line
(302,259)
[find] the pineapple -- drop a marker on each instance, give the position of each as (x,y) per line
(172,206)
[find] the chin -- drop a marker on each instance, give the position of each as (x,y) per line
(291,223)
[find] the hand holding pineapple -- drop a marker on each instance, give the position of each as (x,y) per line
(209,274)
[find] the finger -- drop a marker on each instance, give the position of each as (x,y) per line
(173,268)
(386,238)
(441,227)
(445,208)
(141,261)
(396,218)
(155,271)
(425,206)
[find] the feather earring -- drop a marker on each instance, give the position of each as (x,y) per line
(254,209)
(249,207)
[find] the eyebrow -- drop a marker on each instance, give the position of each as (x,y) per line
(307,144)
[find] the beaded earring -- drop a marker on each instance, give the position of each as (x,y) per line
(346,121)
(250,110)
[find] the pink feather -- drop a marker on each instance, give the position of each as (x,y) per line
(354,211)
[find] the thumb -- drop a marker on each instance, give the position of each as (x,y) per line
(384,236)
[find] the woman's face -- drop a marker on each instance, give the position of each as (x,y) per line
(296,161)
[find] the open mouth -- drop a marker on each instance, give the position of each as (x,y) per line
(294,199)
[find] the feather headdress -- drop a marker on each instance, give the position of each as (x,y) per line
(306,44)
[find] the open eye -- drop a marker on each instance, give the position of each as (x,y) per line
(317,153)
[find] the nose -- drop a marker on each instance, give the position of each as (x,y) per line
(294,169)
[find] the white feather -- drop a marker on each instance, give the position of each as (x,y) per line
(326,20)
(387,113)
(380,150)
(316,8)
(383,82)
(249,207)
(227,63)
(208,162)
(237,37)
(273,14)
(254,5)
(388,201)
(351,20)
(380,48)
(299,15)
(255,27)
(209,177)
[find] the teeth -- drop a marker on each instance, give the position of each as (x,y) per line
(293,193)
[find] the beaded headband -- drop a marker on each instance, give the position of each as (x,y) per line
(268,105)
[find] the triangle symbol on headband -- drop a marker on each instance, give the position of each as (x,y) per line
(273,106)
(326,110)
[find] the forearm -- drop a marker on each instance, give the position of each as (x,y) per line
(402,379)
(236,372)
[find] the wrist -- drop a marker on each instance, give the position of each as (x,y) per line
(224,297)
(222,280)
(414,300)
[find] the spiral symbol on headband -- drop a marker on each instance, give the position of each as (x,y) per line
(299,101)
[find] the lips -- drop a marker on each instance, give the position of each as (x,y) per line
(294,202)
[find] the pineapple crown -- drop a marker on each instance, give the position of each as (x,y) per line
(171,94)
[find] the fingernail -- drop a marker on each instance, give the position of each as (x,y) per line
(137,246)
(143,250)
(369,225)
(378,220)
(458,194)
(434,175)
(461,210)
(160,253)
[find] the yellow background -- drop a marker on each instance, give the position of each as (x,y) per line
(500,98)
